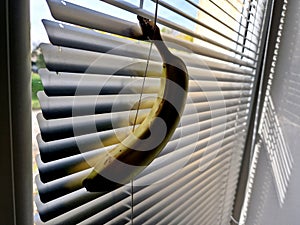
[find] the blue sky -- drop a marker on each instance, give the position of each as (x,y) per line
(39,10)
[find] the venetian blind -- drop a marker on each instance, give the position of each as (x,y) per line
(95,75)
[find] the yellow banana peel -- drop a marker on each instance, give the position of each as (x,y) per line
(124,162)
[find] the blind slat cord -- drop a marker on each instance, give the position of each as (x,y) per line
(139,102)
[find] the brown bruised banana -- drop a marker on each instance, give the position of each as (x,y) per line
(118,166)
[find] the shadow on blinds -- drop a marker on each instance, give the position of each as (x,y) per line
(278,151)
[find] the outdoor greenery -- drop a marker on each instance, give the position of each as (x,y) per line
(40,62)
(37,62)
(36,86)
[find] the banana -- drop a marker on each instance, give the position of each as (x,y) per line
(130,157)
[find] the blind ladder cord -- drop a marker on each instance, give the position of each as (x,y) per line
(140,98)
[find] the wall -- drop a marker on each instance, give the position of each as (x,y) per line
(275,195)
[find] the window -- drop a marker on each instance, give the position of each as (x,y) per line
(96,64)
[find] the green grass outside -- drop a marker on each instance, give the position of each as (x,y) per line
(36,86)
